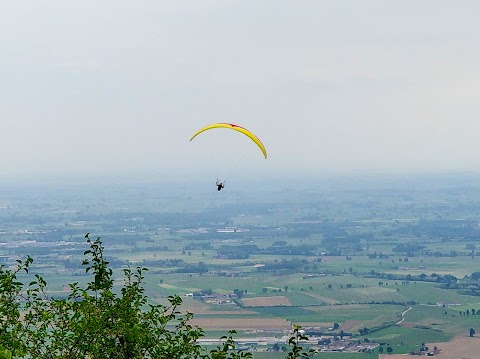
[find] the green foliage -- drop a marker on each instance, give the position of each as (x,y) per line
(5,353)
(93,322)
(227,350)
(297,350)
(96,322)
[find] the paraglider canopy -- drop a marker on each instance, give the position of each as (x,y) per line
(240,129)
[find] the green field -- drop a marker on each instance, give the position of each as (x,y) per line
(403,340)
(354,274)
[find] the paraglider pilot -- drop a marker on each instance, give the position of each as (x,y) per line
(220,185)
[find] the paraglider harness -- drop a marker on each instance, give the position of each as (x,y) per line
(220,185)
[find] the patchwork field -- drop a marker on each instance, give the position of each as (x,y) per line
(266,301)
(315,255)
(461,347)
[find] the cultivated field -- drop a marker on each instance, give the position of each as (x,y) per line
(461,347)
(266,301)
(355,253)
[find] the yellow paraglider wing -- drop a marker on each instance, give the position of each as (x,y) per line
(236,128)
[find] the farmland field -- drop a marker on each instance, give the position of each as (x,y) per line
(266,301)
(390,260)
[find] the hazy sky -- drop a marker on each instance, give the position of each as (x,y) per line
(329,86)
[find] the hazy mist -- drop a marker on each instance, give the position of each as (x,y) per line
(118,87)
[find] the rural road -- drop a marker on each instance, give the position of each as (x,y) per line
(403,315)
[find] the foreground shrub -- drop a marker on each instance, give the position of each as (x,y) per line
(95,322)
